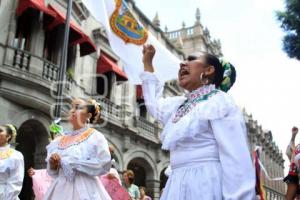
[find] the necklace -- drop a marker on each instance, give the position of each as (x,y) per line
(199,95)
(71,139)
(6,153)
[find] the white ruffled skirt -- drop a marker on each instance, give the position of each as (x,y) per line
(194,181)
(83,187)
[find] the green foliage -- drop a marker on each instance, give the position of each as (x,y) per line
(290,23)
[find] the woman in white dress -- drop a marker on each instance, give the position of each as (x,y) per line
(204,131)
(11,165)
(78,157)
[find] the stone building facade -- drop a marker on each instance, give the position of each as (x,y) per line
(30,39)
(270,156)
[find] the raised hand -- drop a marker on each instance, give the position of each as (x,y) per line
(294,130)
(148,55)
(30,172)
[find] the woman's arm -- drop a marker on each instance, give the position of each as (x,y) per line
(15,180)
(238,175)
(98,161)
(160,108)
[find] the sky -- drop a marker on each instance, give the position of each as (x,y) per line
(268,81)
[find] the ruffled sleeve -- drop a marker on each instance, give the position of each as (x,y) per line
(238,181)
(98,162)
(51,149)
(15,180)
(160,108)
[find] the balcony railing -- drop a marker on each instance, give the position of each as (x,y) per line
(35,68)
(21,60)
(33,65)
(150,130)
(50,71)
(30,64)
(111,112)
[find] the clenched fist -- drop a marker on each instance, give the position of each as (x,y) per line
(54,161)
(148,55)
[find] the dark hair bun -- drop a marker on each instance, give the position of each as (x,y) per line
(229,76)
(95,109)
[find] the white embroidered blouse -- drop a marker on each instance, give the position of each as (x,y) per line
(205,125)
(11,173)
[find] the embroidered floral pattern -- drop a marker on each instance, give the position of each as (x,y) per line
(193,98)
(74,138)
(6,153)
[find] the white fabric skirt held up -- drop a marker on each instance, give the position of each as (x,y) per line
(197,181)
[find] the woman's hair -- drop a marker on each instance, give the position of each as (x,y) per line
(225,73)
(130,175)
(95,109)
(142,188)
(11,130)
(219,71)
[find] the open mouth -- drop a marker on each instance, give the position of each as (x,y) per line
(183,73)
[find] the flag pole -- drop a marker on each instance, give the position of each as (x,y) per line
(63,62)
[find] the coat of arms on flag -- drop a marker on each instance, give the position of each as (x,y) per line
(125,26)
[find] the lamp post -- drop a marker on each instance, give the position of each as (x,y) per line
(63,62)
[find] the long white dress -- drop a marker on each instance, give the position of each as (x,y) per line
(11,173)
(81,162)
(209,154)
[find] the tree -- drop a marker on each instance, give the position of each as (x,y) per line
(290,23)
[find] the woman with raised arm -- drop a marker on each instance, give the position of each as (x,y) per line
(78,157)
(204,131)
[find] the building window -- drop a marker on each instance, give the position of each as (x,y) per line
(142,110)
(24,28)
(71,62)
(51,46)
(104,84)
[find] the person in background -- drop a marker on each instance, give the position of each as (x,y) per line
(113,173)
(291,147)
(292,179)
(143,194)
(11,165)
(132,189)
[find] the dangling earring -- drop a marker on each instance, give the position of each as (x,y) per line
(88,122)
(204,81)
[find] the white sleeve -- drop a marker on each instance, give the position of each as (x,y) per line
(238,175)
(51,149)
(15,180)
(99,160)
(115,173)
(160,108)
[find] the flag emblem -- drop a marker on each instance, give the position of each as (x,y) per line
(125,26)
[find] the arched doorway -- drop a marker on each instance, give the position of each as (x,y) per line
(143,173)
(163,179)
(32,140)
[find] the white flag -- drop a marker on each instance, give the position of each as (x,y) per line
(126,37)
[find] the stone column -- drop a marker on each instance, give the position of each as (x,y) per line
(11,31)
(12,27)
(37,40)
(154,187)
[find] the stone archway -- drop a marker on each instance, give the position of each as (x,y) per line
(119,162)
(32,140)
(144,174)
(142,171)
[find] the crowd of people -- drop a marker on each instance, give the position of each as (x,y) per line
(204,131)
